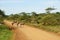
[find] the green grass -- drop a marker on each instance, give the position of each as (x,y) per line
(55,29)
(5,33)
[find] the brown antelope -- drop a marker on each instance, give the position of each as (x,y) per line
(21,24)
(14,22)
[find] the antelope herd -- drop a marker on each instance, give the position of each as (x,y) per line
(13,24)
(19,24)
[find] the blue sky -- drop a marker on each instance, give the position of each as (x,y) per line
(17,6)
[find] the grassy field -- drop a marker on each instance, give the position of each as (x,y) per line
(5,33)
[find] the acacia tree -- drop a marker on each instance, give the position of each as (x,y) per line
(49,9)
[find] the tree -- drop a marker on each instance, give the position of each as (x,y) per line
(2,13)
(33,17)
(57,12)
(2,16)
(49,9)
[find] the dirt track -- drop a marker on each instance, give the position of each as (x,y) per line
(30,33)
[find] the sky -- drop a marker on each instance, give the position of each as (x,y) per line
(17,6)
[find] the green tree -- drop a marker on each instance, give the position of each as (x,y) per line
(33,17)
(2,13)
(2,16)
(49,9)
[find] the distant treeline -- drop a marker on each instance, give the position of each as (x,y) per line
(38,19)
(47,18)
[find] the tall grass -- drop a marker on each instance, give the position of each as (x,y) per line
(55,29)
(5,33)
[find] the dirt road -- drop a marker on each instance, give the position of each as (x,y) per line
(30,33)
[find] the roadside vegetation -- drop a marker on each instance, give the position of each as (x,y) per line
(5,33)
